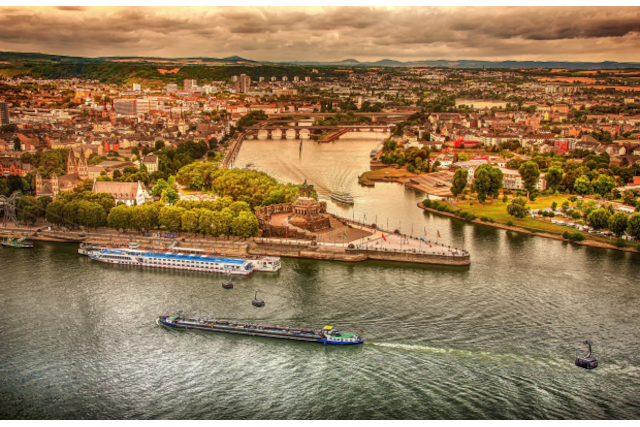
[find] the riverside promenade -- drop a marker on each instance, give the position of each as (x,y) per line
(392,247)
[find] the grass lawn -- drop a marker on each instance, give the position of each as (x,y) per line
(498,212)
(387,173)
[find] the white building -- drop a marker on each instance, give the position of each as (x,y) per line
(131,193)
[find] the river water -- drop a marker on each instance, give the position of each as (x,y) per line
(493,340)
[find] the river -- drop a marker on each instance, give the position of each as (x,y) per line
(493,340)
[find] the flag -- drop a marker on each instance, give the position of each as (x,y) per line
(423,240)
(425,231)
(345,235)
(439,236)
(384,238)
(287,232)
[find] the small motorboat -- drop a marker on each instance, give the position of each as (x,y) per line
(588,361)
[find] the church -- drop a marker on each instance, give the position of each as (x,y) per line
(77,171)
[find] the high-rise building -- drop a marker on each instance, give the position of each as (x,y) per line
(189,83)
(4,113)
(243,84)
(234,79)
(261,79)
(133,107)
(137,87)
(172,87)
(296,78)
(273,79)
(285,78)
(307,79)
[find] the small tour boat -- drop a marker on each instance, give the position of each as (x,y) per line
(342,196)
(13,243)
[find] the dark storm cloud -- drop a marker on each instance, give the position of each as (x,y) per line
(326,34)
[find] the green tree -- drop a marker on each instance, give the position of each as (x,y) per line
(530,174)
(31,209)
(599,218)
(55,212)
(245,225)
(618,223)
(633,227)
(95,215)
(160,186)
(629,198)
(487,182)
(582,185)
(171,218)
(225,222)
(120,217)
(205,221)
(5,187)
(603,185)
(237,207)
(169,195)
(459,182)
(191,221)
(518,207)
(554,178)
(159,145)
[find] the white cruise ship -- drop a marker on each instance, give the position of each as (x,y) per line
(182,261)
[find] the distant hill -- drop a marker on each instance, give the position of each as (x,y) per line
(446,63)
(32,57)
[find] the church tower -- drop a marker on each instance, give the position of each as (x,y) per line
(38,183)
(72,166)
(83,169)
(55,187)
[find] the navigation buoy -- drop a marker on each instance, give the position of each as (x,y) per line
(257,302)
(587,362)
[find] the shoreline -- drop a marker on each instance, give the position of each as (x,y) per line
(302,249)
(532,233)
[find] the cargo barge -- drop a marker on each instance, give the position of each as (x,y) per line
(326,335)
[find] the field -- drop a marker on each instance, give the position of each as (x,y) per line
(497,211)
(385,174)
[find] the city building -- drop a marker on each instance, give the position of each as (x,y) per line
(172,87)
(13,166)
(132,107)
(125,107)
(137,87)
(131,193)
(4,113)
(189,84)
(243,84)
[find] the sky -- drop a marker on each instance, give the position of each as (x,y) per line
(588,34)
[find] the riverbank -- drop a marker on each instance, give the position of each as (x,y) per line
(591,243)
(258,246)
(385,174)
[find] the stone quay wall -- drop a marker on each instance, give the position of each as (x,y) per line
(461,260)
